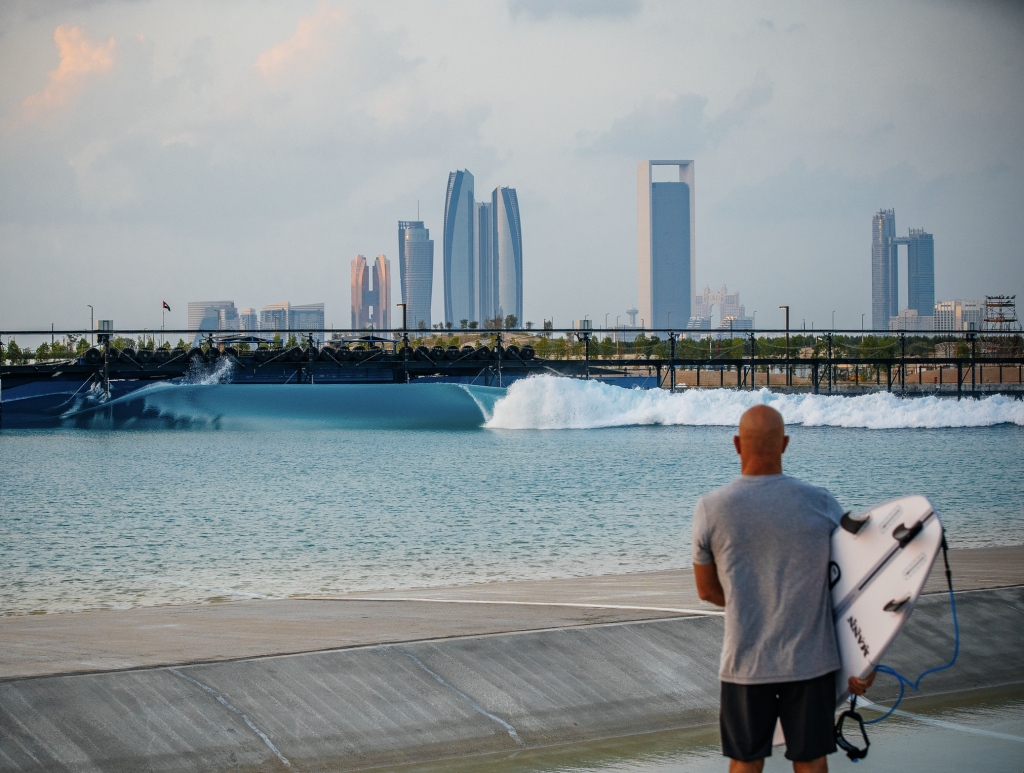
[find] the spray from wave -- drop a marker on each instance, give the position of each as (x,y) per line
(549,402)
(199,374)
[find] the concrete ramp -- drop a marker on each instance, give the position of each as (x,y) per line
(397,703)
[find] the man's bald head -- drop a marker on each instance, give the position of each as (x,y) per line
(761,441)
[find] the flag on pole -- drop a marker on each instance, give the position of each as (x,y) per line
(166,306)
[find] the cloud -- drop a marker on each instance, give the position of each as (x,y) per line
(80,59)
(312,42)
(667,127)
(540,10)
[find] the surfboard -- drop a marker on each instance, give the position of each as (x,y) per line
(880,561)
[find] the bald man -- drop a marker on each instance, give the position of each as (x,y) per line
(761,549)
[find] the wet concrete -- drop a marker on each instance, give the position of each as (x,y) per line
(37,645)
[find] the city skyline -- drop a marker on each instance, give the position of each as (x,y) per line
(225,148)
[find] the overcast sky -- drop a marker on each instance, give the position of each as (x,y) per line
(195,150)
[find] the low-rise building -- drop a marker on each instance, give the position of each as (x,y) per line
(959,315)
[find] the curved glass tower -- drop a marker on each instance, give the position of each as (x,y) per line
(459,270)
(508,253)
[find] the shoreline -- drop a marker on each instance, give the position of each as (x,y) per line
(110,640)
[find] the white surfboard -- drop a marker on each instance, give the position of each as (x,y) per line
(880,561)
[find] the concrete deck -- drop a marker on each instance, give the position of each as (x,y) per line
(396,703)
(453,680)
(39,645)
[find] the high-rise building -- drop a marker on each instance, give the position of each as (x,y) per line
(460,284)
(308,316)
(377,298)
(665,245)
(285,316)
(486,293)
(416,270)
(959,315)
(884,269)
(920,271)
(885,264)
(248,319)
(728,304)
(507,246)
(210,315)
(275,316)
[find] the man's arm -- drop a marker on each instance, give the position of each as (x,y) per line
(709,588)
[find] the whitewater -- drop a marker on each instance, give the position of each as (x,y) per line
(549,402)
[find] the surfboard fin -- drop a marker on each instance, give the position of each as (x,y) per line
(897,606)
(852,523)
(903,535)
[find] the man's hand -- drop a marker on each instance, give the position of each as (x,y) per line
(709,588)
(860,686)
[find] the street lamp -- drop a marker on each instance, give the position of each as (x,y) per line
(606,320)
(833,319)
(92,325)
(670,320)
(754,323)
(862,323)
(787,345)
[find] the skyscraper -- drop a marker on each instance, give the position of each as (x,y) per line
(211,315)
(921,272)
(459,249)
(665,245)
(486,293)
(507,249)
(885,264)
(416,270)
(378,297)
(884,269)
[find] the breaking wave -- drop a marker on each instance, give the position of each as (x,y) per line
(206,400)
(549,402)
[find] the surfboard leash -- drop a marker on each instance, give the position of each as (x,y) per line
(883,669)
(856,753)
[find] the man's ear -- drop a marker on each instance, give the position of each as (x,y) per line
(785,443)
(736,442)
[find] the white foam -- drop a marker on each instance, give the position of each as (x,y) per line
(550,402)
(202,375)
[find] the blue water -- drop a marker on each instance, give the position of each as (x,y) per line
(189,493)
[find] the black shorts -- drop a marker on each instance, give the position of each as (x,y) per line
(806,709)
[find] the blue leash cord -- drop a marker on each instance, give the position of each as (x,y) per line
(882,669)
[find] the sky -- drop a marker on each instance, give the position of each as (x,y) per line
(190,150)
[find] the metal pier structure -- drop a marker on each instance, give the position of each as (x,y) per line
(356,357)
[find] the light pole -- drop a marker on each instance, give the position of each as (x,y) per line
(788,377)
(754,323)
(606,321)
(670,320)
(862,323)
(833,319)
(92,325)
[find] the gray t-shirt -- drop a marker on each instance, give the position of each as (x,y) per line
(769,536)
